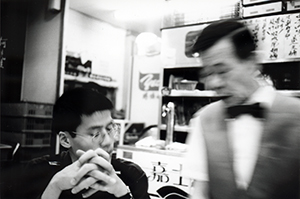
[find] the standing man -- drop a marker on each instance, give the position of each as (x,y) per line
(246,145)
(82,119)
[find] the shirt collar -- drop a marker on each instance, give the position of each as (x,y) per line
(264,95)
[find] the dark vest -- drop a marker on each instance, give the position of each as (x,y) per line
(276,174)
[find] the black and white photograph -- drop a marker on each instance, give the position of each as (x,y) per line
(150,99)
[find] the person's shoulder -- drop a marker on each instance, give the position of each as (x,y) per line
(39,160)
(129,172)
(133,176)
(50,160)
(287,104)
(125,165)
(214,105)
(209,109)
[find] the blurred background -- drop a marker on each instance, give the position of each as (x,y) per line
(137,52)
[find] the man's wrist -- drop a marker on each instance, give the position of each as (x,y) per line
(51,191)
(121,189)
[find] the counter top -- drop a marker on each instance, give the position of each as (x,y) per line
(5,146)
(151,150)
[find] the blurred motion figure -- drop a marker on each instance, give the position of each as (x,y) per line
(246,145)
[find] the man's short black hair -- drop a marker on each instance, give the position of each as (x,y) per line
(75,103)
(238,32)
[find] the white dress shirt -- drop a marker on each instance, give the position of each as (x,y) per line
(244,135)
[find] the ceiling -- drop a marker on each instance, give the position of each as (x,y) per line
(144,15)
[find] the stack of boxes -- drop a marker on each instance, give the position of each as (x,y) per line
(26,123)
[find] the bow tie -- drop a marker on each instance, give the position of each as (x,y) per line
(253,109)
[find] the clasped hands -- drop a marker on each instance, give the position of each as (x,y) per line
(91,172)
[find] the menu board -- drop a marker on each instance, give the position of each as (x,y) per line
(277,36)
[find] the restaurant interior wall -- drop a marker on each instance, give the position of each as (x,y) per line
(30,73)
(11,71)
(107,46)
(32,51)
(42,54)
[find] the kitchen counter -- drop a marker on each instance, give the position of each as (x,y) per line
(162,167)
(152,150)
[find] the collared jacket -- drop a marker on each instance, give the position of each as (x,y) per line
(39,172)
(276,174)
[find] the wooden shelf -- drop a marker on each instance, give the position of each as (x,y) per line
(178,128)
(292,93)
(87,79)
(269,61)
(213,94)
(193,93)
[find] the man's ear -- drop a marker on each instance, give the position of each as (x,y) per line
(252,64)
(64,139)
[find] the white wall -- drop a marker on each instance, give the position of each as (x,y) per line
(145,93)
(101,42)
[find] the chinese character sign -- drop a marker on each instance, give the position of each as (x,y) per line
(145,89)
(278,36)
(149,82)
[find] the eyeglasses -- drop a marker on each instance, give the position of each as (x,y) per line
(98,134)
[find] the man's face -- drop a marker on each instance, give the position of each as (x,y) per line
(228,75)
(96,124)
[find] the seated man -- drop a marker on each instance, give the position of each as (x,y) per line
(86,169)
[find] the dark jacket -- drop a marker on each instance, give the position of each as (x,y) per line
(39,172)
